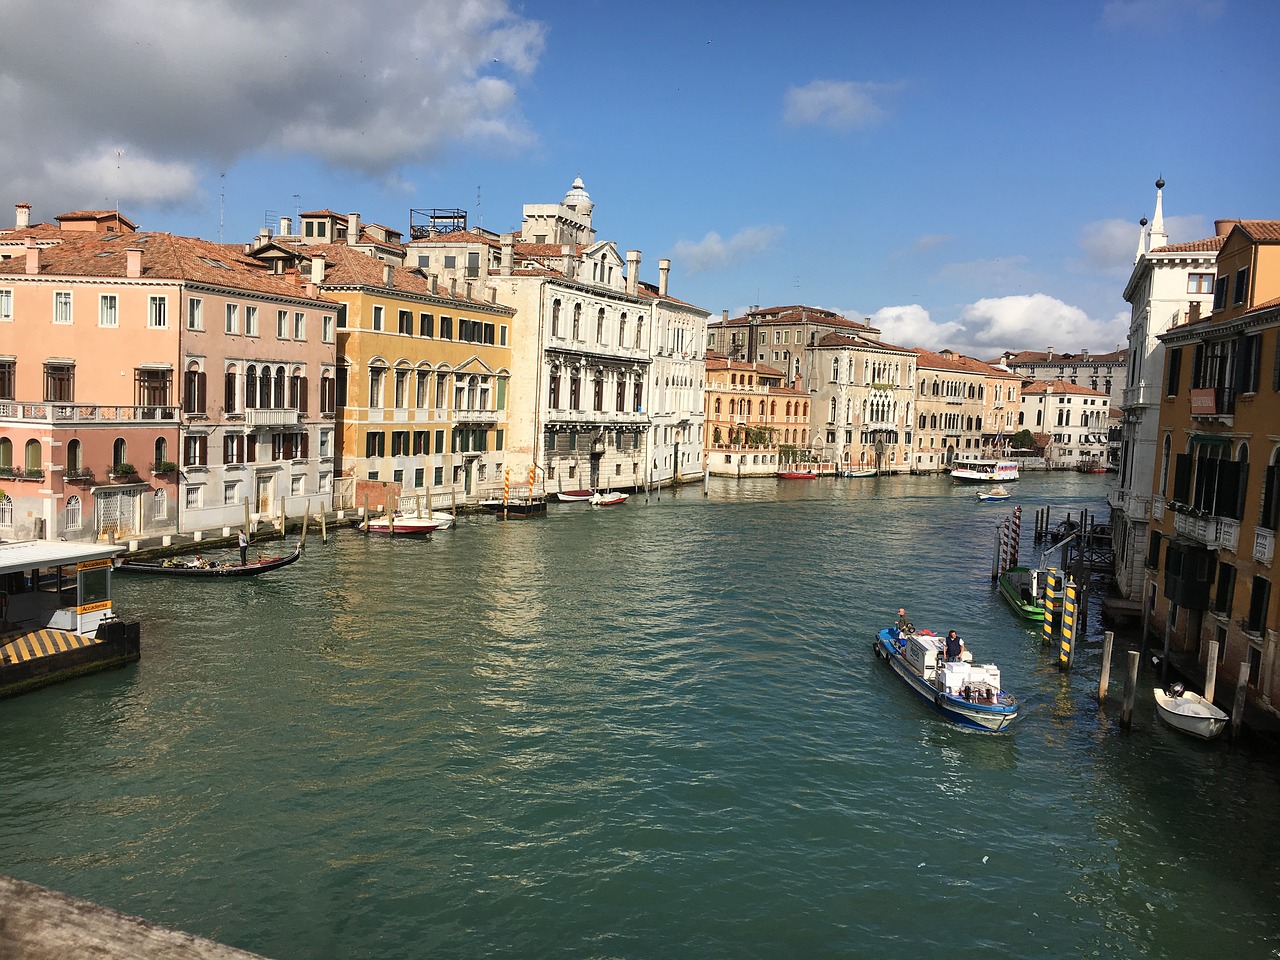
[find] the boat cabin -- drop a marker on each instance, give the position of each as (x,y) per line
(55,585)
(922,653)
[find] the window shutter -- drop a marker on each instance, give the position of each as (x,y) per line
(201,382)
(1182,478)
(302,395)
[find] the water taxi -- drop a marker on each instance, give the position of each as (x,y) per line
(983,471)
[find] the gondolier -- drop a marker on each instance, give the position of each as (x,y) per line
(244,548)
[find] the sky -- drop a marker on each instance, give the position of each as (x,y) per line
(966,175)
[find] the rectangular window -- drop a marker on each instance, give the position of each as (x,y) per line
(6,305)
(8,378)
(473,263)
(250,321)
(299,326)
(450,262)
(426,326)
(326,328)
(62,306)
(60,382)
(230,493)
(1200,283)
(374,443)
(437,478)
(157,312)
(151,387)
(1259,604)
(404,322)
(502,335)
(439,444)
(195,451)
(1175,372)
(400,443)
(282,324)
(108,310)
(421,444)
(446,328)
(1241,291)
(1226,587)
(195,314)
(1220,293)
(377,318)
(233,318)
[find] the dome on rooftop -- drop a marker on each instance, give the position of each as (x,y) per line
(577,197)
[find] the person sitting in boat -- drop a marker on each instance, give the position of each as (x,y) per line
(954,647)
(197,561)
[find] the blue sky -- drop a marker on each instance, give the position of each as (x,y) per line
(969,175)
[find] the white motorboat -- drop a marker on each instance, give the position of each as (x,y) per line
(984,471)
(1189,712)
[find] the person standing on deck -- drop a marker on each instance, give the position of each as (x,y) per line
(954,646)
(244,548)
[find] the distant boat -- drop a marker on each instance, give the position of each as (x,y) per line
(396,526)
(608,499)
(998,492)
(515,509)
(796,475)
(571,496)
(868,472)
(983,471)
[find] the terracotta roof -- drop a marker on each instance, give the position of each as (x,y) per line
(928,360)
(346,266)
(1195,246)
(324,213)
(1261,231)
(789,316)
(835,339)
(717,361)
(454,237)
(41,231)
(1059,386)
(164,257)
(1039,356)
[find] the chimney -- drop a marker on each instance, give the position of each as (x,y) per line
(1084,355)
(387,273)
(1222,227)
(133,262)
(22,216)
(453,286)
(508,254)
(1193,311)
(286,226)
(435,283)
(633,272)
(493,295)
(570,264)
(724,316)
(1048,355)
(353,228)
(33,256)
(317,269)
(664,270)
(468,289)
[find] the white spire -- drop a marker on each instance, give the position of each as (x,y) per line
(1142,236)
(1158,237)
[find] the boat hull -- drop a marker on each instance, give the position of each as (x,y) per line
(571,496)
(1015,588)
(403,527)
(1190,713)
(230,570)
(985,718)
(859,473)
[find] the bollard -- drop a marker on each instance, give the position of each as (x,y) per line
(1066,652)
(1108,638)
(324,536)
(198,536)
(1211,671)
(1130,689)
(1242,695)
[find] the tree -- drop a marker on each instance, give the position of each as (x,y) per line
(1024,440)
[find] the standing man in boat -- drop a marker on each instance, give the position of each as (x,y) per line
(955,646)
(904,625)
(244,548)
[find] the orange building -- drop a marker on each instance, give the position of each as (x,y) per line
(754,421)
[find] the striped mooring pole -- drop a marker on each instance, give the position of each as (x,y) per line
(1067,647)
(1053,584)
(1015,536)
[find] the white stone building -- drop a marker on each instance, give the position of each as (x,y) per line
(1074,418)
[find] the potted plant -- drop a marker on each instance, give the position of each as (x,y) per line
(123,470)
(164,466)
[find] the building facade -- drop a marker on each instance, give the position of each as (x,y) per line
(1216,492)
(756,423)
(1073,421)
(963,407)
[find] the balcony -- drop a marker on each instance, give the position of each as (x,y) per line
(474,415)
(84,414)
(1213,532)
(271,417)
(1264,544)
(1142,395)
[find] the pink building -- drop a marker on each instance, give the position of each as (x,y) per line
(109,427)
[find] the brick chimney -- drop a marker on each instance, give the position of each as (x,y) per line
(664,270)
(388,274)
(22,216)
(353,228)
(435,283)
(1222,227)
(1048,354)
(133,262)
(33,256)
(508,254)
(317,269)
(286,226)
(1193,311)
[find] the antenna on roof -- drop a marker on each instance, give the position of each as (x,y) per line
(297,207)
(222,202)
(479,212)
(119,154)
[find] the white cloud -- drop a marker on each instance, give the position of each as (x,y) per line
(842,105)
(191,83)
(1109,245)
(120,175)
(1036,322)
(714,252)
(911,326)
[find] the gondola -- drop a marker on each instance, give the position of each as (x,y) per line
(181,568)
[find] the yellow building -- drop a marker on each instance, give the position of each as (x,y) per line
(1216,491)
(753,420)
(423,376)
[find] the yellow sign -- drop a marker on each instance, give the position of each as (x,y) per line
(93,564)
(93,607)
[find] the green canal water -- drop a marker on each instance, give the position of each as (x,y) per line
(651,731)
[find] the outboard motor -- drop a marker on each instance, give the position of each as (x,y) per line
(1177,690)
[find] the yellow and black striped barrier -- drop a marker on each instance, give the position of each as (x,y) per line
(23,647)
(1066,648)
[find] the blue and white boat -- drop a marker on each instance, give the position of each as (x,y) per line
(964,692)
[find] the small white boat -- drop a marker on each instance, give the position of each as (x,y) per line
(608,499)
(572,496)
(401,526)
(966,693)
(1189,712)
(998,492)
(868,472)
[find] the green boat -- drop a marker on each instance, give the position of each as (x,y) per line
(1023,589)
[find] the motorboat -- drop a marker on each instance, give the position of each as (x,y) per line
(998,492)
(571,496)
(1189,712)
(1023,589)
(965,693)
(976,470)
(395,525)
(608,499)
(868,472)
(796,475)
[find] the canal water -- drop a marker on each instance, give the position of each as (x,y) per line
(650,731)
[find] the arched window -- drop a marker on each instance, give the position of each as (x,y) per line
(119,453)
(33,464)
(1166,451)
(73,513)
(6,510)
(279,388)
(264,386)
(251,387)
(622,330)
(835,373)
(161,453)
(717,406)
(75,458)
(832,415)
(555,318)
(159,505)
(229,392)
(6,452)
(577,320)
(600,326)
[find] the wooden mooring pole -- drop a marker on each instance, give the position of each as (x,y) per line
(1108,639)
(1130,690)
(1242,695)
(1211,671)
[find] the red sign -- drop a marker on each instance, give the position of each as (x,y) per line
(1204,402)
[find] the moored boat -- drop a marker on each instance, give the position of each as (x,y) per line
(796,475)
(515,509)
(868,472)
(611,499)
(571,496)
(983,471)
(198,567)
(1189,712)
(965,693)
(397,526)
(998,492)
(1023,589)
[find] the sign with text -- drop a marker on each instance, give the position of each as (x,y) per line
(1204,401)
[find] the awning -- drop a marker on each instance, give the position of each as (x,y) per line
(1210,439)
